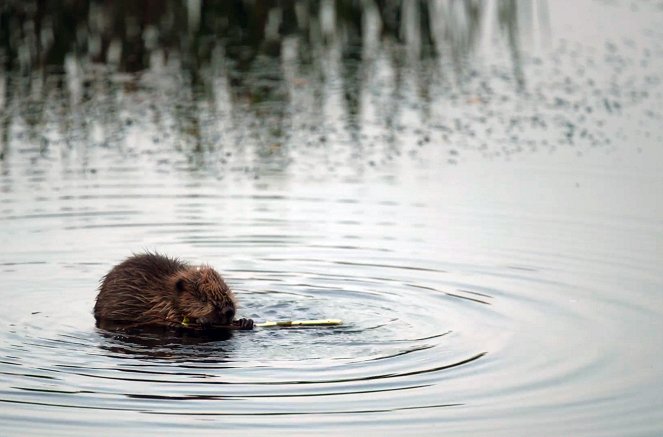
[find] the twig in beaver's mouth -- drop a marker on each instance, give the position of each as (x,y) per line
(185,323)
(269,324)
(296,323)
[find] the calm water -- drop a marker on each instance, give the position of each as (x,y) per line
(477,196)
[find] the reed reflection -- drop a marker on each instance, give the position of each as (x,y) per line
(234,80)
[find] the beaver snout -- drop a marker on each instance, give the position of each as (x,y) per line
(225,316)
(228,314)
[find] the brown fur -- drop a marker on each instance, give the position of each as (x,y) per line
(151,289)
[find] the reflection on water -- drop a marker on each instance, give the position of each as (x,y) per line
(472,186)
(345,87)
(129,36)
(166,345)
(237,85)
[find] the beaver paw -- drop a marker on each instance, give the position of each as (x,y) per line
(243,324)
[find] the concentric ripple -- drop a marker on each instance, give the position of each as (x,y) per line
(439,329)
(486,222)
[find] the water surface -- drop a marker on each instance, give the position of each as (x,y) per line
(476,195)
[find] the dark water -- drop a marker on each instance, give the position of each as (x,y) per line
(474,188)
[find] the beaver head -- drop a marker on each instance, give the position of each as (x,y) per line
(203,297)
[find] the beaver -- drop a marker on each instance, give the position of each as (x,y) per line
(155,290)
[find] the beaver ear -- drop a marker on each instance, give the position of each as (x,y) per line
(179,285)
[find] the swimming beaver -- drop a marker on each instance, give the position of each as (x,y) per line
(155,290)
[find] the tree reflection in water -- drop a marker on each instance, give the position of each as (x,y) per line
(239,80)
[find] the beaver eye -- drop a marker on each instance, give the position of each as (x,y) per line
(179,285)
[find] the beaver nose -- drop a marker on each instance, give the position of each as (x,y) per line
(228,314)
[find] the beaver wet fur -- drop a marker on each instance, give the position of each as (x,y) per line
(154,290)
